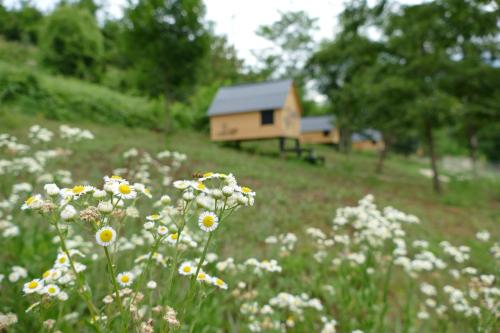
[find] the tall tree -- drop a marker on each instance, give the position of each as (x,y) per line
(167,40)
(292,40)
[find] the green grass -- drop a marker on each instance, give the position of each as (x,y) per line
(291,195)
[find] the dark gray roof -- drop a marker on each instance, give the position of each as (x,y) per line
(367,134)
(317,123)
(250,97)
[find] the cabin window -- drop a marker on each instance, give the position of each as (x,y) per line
(267,117)
(326,133)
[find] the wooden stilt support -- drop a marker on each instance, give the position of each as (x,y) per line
(282,147)
(298,150)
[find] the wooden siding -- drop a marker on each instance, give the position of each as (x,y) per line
(319,137)
(247,125)
(368,145)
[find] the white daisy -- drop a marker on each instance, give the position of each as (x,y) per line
(181,184)
(51,189)
(99,194)
(208,221)
(153,217)
(172,238)
(125,279)
(51,290)
(199,186)
(246,190)
(32,202)
(149,225)
(162,230)
(143,189)
(33,286)
(105,236)
(51,275)
(186,268)
(62,260)
(124,191)
(151,284)
(68,213)
(219,283)
(202,276)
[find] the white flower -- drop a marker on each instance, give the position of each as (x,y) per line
(165,199)
(208,221)
(227,191)
(33,286)
(124,191)
(483,236)
(99,194)
(219,283)
(151,284)
(105,206)
(181,184)
(32,202)
(188,196)
(186,268)
(125,279)
(149,225)
(51,290)
(68,213)
(162,230)
(105,236)
(51,189)
(62,296)
(202,276)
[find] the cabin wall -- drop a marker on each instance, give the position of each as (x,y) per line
(368,145)
(244,126)
(291,114)
(319,137)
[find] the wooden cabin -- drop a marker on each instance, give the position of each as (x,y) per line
(256,111)
(368,139)
(318,130)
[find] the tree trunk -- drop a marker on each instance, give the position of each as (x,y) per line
(382,156)
(432,153)
(473,149)
(345,140)
(168,118)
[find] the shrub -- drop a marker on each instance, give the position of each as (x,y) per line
(71,43)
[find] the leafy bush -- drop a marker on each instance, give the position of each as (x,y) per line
(72,100)
(71,43)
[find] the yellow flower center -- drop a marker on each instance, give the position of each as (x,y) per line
(174,236)
(32,285)
(208,221)
(46,274)
(207,174)
(202,276)
(51,290)
(124,189)
(116,177)
(78,189)
(162,229)
(147,191)
(62,260)
(30,200)
(106,235)
(245,189)
(186,269)
(201,186)
(125,279)
(219,282)
(155,216)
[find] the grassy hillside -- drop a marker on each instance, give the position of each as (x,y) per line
(292,192)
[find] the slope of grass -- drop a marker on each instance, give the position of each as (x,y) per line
(293,193)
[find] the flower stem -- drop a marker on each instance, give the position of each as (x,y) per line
(83,293)
(115,284)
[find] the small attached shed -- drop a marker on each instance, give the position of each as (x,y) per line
(256,111)
(319,129)
(368,139)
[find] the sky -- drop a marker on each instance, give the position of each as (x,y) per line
(239,19)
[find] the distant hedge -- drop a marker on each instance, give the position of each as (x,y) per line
(72,100)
